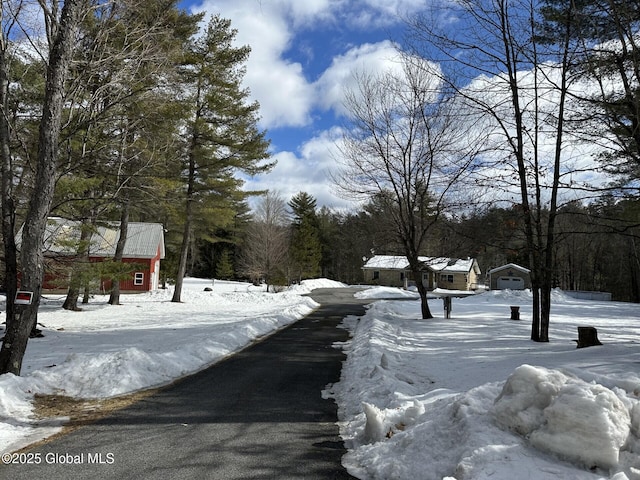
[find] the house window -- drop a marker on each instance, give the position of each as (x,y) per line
(138,278)
(376,275)
(446,278)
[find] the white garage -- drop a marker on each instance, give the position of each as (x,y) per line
(509,276)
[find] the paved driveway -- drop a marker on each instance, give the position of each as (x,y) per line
(257,415)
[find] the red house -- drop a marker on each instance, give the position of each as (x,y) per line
(144,247)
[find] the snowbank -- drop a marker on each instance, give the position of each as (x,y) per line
(582,422)
(307,286)
(469,397)
(460,398)
(105,350)
(385,292)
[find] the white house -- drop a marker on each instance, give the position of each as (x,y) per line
(436,272)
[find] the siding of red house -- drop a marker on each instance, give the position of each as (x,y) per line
(144,246)
(141,280)
(134,283)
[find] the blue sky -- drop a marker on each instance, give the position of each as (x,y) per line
(304,53)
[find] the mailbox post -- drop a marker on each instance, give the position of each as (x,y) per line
(447,297)
(447,306)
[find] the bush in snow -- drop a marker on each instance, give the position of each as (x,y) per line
(581,422)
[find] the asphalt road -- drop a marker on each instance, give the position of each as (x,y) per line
(257,415)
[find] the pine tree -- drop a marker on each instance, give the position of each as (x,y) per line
(224,268)
(122,120)
(222,136)
(306,250)
(608,57)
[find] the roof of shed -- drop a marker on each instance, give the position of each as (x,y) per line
(509,265)
(143,239)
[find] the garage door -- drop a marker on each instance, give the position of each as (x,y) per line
(512,283)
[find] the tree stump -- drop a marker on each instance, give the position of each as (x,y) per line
(587,337)
(515,313)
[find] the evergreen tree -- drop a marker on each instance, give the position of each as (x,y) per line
(303,207)
(608,57)
(224,268)
(306,250)
(122,119)
(221,133)
(328,231)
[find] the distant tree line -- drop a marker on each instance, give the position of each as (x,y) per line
(598,249)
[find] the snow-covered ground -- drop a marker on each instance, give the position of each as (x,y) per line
(105,350)
(473,398)
(467,398)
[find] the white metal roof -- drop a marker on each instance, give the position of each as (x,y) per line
(143,239)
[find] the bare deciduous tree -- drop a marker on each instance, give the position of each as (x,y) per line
(401,146)
(266,245)
(6,164)
(519,85)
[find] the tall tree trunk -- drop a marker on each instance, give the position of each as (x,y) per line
(114,297)
(184,254)
(87,295)
(416,268)
(188,221)
(535,305)
(549,257)
(545,312)
(77,277)
(8,206)
(422,290)
(17,336)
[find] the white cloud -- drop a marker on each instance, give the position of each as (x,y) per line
(279,85)
(310,172)
(340,77)
(386,12)
(307,11)
(285,94)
